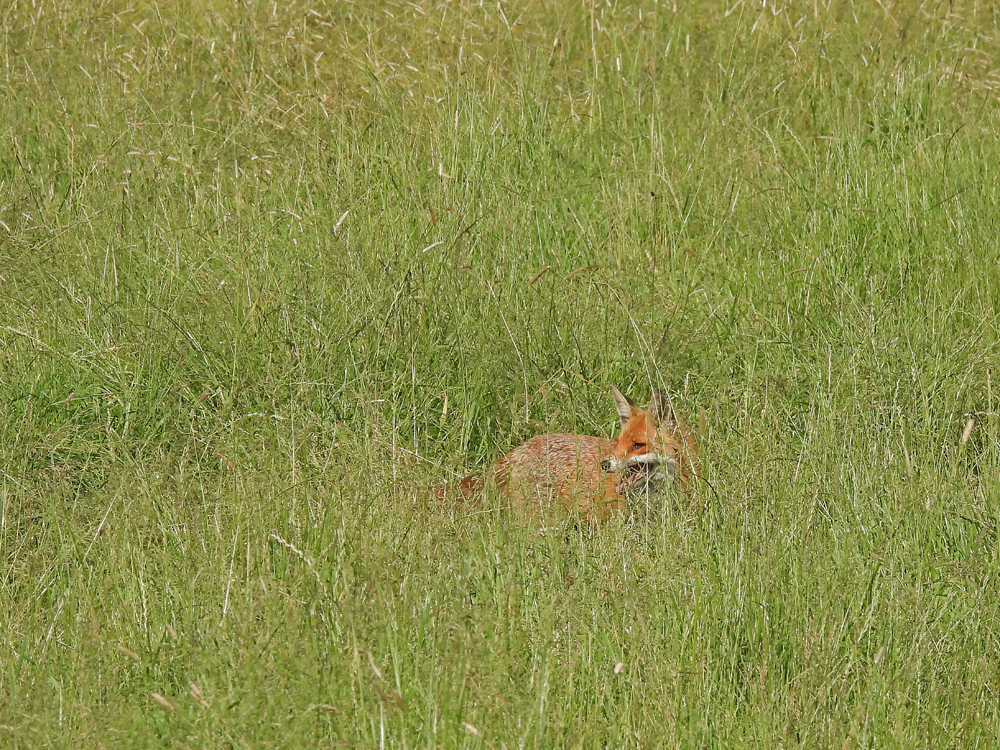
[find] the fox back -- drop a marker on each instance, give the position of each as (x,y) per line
(558,471)
(593,475)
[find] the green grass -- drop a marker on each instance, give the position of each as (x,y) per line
(268,273)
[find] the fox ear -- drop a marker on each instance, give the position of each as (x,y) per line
(661,411)
(623,404)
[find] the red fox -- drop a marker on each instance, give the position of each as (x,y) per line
(592,475)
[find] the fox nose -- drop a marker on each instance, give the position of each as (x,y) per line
(606,464)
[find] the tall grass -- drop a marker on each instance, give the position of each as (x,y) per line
(269,271)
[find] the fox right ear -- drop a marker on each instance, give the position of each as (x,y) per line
(623,404)
(661,411)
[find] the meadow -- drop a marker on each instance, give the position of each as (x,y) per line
(270,271)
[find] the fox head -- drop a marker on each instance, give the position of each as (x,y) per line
(651,449)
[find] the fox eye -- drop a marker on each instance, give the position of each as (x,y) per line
(637,446)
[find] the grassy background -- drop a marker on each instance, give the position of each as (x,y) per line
(267,273)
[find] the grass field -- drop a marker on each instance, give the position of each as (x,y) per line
(268,271)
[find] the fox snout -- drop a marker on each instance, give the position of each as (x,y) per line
(612,464)
(648,462)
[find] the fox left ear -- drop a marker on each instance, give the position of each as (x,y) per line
(661,411)
(623,405)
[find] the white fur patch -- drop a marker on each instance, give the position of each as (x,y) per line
(644,474)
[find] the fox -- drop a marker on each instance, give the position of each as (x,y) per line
(595,476)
